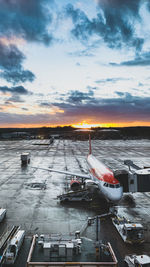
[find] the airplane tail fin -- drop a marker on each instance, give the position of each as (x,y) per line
(90,148)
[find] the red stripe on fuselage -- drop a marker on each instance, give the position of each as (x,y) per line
(100,171)
(105,177)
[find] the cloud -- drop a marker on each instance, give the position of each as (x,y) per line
(15,90)
(11,59)
(18,76)
(132,6)
(148,5)
(119,93)
(92,88)
(26,109)
(114,23)
(111,80)
(45,104)
(74,96)
(79,97)
(125,107)
(26,19)
(140,60)
(14,98)
(22,120)
(140,84)
(10,56)
(82,53)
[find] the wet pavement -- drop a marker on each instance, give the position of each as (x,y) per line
(30,195)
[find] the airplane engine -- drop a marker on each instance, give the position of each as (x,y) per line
(75,185)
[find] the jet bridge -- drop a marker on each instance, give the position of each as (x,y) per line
(136,179)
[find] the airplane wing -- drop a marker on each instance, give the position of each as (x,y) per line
(66,172)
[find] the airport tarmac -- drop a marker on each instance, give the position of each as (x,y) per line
(30,194)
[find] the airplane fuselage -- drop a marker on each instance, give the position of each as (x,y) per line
(109,187)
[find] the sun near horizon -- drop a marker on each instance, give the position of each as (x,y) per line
(85,125)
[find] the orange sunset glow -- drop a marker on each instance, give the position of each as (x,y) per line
(81,125)
(86,125)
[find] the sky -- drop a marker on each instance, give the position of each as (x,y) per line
(79,62)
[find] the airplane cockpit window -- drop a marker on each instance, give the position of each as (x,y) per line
(111,185)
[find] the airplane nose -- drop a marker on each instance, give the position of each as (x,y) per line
(118,195)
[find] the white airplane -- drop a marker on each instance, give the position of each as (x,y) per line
(109,187)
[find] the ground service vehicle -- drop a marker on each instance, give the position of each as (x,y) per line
(137,261)
(14,247)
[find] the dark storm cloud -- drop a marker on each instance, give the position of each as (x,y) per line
(14,90)
(114,23)
(140,60)
(26,19)
(125,107)
(11,59)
